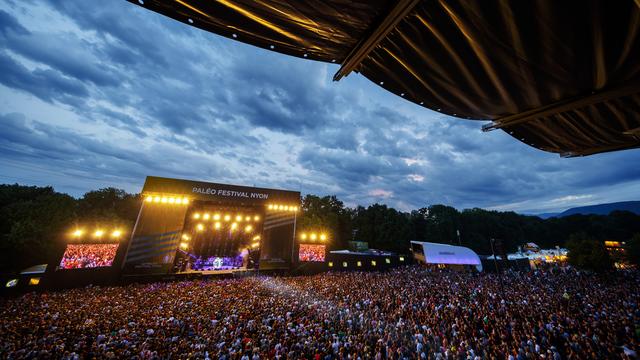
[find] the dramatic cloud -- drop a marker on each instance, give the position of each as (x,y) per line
(96,94)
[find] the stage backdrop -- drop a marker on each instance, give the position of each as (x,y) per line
(158,230)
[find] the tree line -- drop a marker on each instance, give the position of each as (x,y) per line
(33,219)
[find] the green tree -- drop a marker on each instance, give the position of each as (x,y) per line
(328,214)
(588,253)
(109,206)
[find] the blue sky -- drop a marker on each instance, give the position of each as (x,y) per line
(102,93)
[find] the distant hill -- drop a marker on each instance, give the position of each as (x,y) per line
(599,209)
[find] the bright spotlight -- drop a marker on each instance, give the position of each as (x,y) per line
(323,237)
(280,207)
(185,201)
(216,217)
(196,216)
(256,218)
(116,233)
(255,245)
(172,200)
(247,218)
(270,207)
(257,237)
(238,218)
(217,226)
(313,236)
(178,201)
(199,227)
(248,228)
(98,233)
(149,198)
(206,216)
(184,246)
(227,217)
(164,200)
(286,208)
(303,236)
(234,226)
(156,199)
(185,237)
(77,233)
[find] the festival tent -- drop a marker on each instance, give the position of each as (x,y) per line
(435,253)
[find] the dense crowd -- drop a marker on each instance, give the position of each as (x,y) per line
(408,313)
(77,256)
(310,252)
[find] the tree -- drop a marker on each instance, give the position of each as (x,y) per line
(633,249)
(588,253)
(328,214)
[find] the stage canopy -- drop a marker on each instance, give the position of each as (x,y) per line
(435,253)
(561,76)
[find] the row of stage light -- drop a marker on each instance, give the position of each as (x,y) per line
(167,200)
(218,225)
(97,234)
(226,217)
(280,207)
(184,245)
(313,236)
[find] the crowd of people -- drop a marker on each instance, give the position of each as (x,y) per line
(78,256)
(311,252)
(407,313)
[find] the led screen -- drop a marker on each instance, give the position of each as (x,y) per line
(82,256)
(310,252)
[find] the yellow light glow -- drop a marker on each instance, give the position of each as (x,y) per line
(184,246)
(270,207)
(313,236)
(196,216)
(172,200)
(323,237)
(247,218)
(217,225)
(238,218)
(248,228)
(255,245)
(77,233)
(98,233)
(149,198)
(234,226)
(216,217)
(359,263)
(164,200)
(178,201)
(156,199)
(373,262)
(206,216)
(185,201)
(286,208)
(200,227)
(294,209)
(116,233)
(227,217)
(280,207)
(34,281)
(303,236)
(257,237)
(185,237)
(330,263)
(256,218)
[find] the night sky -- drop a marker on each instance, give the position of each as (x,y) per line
(96,94)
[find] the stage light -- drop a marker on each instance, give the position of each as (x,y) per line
(206,216)
(401,258)
(116,233)
(216,217)
(34,281)
(217,226)
(257,237)
(227,217)
(172,200)
(256,218)
(313,236)
(387,260)
(164,200)
(149,198)
(98,233)
(184,246)
(344,264)
(185,237)
(286,208)
(280,207)
(11,283)
(359,263)
(77,233)
(199,227)
(178,201)
(270,207)
(323,237)
(234,226)
(247,218)
(303,236)
(156,199)
(196,216)
(330,263)
(373,262)
(185,201)
(248,228)
(255,245)
(238,218)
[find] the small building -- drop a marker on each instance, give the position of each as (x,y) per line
(444,255)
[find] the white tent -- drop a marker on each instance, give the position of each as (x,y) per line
(434,253)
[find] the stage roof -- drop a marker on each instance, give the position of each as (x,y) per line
(561,76)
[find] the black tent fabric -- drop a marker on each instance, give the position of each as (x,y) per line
(561,76)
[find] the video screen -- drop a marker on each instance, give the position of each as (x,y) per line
(83,256)
(311,252)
